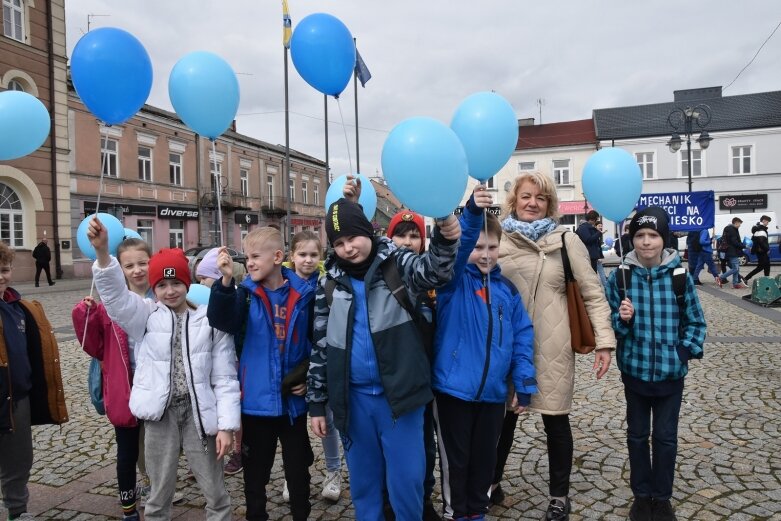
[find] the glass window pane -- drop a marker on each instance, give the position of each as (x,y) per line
(736,165)
(747,164)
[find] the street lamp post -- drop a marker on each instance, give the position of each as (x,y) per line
(684,120)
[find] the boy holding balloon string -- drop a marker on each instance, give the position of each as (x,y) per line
(368,362)
(185,387)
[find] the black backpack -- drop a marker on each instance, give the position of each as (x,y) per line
(393,280)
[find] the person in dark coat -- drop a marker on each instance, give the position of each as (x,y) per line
(731,237)
(42,255)
(760,247)
(591,237)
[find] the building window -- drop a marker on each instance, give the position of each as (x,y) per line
(292,191)
(646,162)
(13,19)
(696,163)
(175,168)
(489,183)
(561,171)
(109,159)
(176,234)
(304,193)
(316,193)
(244,179)
(216,172)
(145,229)
(11,231)
(270,190)
(527,166)
(741,160)
(145,163)
(16,85)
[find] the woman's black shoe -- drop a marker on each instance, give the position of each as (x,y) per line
(497,495)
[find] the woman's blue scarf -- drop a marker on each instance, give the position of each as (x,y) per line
(531,230)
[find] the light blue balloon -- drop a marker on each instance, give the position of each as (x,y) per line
(116,234)
(323,53)
(112,74)
(132,234)
(368,198)
(612,182)
(204,92)
(487,127)
(24,124)
(609,242)
(425,166)
(199,294)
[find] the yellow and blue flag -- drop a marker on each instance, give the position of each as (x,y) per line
(287,25)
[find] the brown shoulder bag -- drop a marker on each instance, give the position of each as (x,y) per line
(581,330)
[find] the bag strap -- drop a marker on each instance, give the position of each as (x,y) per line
(328,287)
(568,275)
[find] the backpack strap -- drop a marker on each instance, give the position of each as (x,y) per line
(621,277)
(397,288)
(679,287)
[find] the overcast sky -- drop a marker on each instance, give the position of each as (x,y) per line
(426,56)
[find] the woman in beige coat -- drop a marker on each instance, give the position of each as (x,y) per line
(530,256)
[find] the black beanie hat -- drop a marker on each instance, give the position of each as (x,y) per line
(346,219)
(654,218)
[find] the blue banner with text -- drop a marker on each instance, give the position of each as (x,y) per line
(688,211)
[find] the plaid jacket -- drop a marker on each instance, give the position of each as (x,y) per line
(657,343)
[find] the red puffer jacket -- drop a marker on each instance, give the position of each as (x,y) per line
(107,342)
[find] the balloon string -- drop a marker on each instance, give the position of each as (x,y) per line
(621,267)
(217,189)
(346,140)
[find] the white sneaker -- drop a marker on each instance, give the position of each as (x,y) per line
(178,497)
(285,492)
(332,486)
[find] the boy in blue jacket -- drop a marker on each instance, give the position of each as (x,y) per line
(269,314)
(368,360)
(484,337)
(658,330)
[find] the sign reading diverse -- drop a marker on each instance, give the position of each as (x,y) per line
(688,211)
(177,212)
(743,202)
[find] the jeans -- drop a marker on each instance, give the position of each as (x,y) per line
(652,476)
(601,273)
(705,259)
(16,459)
(333,460)
(734,270)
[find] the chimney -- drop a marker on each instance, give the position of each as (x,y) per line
(526,122)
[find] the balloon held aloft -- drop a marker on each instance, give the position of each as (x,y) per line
(612,182)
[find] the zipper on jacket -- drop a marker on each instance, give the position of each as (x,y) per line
(501,329)
(192,380)
(539,277)
(173,354)
(653,335)
(487,345)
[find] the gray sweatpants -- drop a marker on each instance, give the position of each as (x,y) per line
(163,441)
(16,460)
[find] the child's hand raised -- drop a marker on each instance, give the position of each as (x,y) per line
(352,188)
(225,265)
(449,228)
(483,198)
(98,237)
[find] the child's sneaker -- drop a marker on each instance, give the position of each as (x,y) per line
(234,465)
(739,285)
(178,497)
(285,492)
(332,486)
(719,283)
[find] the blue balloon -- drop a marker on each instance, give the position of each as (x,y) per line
(425,166)
(204,92)
(609,242)
(116,234)
(487,127)
(112,74)
(199,294)
(132,234)
(368,198)
(24,124)
(612,182)
(323,53)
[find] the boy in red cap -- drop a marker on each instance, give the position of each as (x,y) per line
(185,387)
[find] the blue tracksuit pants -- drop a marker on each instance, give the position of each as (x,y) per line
(382,452)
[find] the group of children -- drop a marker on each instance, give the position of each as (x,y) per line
(347,343)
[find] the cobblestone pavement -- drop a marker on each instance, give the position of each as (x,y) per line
(729,463)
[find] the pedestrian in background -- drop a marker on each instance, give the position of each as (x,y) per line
(730,237)
(705,258)
(31,390)
(760,247)
(591,237)
(43,256)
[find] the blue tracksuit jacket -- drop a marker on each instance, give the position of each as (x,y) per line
(262,366)
(475,350)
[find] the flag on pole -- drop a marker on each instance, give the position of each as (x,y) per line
(287,26)
(361,70)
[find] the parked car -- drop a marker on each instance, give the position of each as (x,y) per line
(774,242)
(195,255)
(611,257)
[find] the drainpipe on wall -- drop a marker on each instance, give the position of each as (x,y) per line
(53,147)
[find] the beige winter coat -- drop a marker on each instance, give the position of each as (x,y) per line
(537,271)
